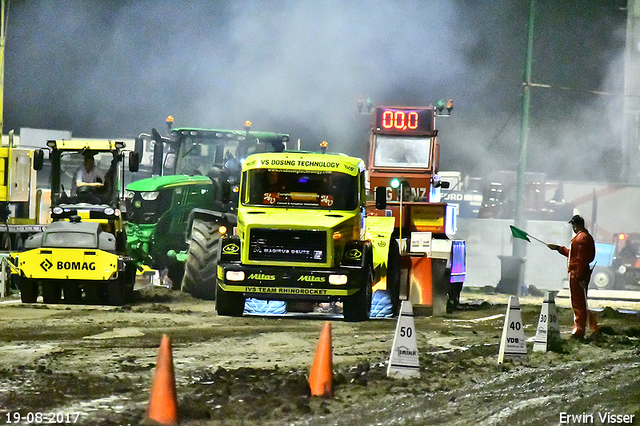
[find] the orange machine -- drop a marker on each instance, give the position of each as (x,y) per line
(403,165)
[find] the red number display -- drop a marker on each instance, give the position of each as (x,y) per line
(400,120)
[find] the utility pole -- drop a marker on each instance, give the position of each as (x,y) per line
(631,102)
(519,248)
(3,37)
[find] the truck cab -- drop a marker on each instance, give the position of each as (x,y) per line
(300,234)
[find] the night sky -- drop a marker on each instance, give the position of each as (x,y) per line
(114,69)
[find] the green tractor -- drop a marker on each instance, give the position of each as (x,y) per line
(158,210)
(173,217)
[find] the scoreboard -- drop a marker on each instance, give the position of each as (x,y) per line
(404,121)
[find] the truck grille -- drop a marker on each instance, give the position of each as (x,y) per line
(288,245)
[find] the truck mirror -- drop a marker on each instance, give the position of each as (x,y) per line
(38,159)
(139,147)
(444,184)
(134,161)
(381,197)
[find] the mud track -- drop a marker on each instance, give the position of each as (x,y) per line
(96,363)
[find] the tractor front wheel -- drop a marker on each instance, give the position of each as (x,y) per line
(358,307)
(229,304)
(202,260)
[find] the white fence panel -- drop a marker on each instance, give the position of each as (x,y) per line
(486,239)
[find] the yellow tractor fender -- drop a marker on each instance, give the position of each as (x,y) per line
(378,230)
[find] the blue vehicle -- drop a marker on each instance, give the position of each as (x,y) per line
(617,265)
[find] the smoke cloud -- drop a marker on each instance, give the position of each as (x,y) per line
(115,69)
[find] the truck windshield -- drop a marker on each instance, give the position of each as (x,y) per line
(395,151)
(330,191)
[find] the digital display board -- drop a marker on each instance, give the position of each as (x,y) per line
(409,121)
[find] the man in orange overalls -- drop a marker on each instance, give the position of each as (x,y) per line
(581,254)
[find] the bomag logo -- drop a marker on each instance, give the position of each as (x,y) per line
(46,265)
(263,277)
(353,254)
(312,279)
(76,266)
(231,249)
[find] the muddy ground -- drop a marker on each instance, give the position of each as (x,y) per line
(94,365)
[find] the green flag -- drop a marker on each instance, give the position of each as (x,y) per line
(519,233)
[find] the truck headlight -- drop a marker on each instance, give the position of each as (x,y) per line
(622,269)
(337,279)
(235,275)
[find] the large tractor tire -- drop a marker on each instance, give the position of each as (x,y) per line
(28,290)
(202,260)
(357,307)
(229,304)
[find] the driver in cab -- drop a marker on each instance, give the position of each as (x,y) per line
(87,175)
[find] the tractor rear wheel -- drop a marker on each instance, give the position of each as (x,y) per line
(202,260)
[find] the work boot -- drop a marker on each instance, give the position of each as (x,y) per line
(577,333)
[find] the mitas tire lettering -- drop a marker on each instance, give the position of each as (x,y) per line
(76,266)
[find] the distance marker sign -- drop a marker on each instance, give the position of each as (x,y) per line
(512,343)
(403,361)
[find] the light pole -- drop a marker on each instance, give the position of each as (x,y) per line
(3,37)
(519,248)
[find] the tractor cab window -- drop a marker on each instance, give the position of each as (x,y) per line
(330,191)
(89,177)
(200,155)
(395,151)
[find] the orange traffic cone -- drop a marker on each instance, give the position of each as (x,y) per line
(163,403)
(321,377)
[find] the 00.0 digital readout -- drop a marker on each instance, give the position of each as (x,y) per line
(400,120)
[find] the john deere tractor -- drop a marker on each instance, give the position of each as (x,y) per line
(157,214)
(83,251)
(173,217)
